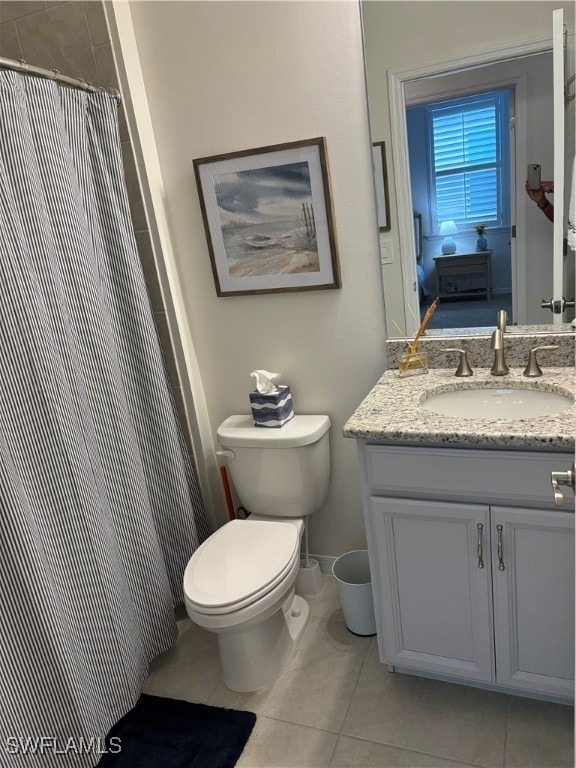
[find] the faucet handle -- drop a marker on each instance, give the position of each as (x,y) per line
(532,369)
(501,319)
(464,368)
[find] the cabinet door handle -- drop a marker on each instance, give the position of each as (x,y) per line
(501,566)
(480,528)
(563,478)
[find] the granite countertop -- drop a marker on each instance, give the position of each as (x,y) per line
(392,412)
(514,330)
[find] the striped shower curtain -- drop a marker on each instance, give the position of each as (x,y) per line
(99,502)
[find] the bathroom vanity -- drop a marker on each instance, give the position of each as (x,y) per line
(472,561)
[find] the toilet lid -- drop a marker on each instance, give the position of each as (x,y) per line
(239,561)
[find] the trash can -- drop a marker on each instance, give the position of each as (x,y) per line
(352,574)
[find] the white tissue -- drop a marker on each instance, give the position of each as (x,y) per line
(265,382)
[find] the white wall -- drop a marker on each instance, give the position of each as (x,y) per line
(401,34)
(227,76)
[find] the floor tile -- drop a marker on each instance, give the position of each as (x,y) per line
(316,687)
(315,692)
(368,754)
(328,636)
(222,696)
(540,734)
(190,670)
(451,721)
(337,705)
(274,744)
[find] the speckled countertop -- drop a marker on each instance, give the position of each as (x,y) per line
(392,412)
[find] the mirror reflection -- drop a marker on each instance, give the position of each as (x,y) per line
(461,144)
(468,130)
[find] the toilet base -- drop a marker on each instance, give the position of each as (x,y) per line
(254,656)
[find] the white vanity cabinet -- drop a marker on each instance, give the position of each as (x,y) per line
(434,601)
(472,565)
(533,587)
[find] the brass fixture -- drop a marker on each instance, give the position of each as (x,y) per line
(464,368)
(499,368)
(532,369)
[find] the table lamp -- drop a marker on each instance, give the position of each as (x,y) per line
(448,228)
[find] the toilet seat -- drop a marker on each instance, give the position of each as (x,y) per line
(240,563)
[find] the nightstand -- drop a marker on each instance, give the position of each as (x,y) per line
(463,265)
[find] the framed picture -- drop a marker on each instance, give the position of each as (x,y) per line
(418,234)
(268,219)
(381,185)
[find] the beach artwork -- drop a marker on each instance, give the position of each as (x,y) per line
(268,219)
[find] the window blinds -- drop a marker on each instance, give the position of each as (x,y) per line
(466,160)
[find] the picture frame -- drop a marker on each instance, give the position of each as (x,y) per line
(418,234)
(268,219)
(381,185)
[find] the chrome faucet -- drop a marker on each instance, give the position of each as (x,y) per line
(499,367)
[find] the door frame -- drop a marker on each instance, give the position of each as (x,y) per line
(398,130)
(559,149)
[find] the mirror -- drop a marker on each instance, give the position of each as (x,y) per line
(421,53)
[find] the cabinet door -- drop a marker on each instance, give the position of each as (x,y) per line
(533,576)
(432,585)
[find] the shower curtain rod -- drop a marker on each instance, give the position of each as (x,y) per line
(20,65)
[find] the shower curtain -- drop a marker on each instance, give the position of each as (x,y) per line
(99,502)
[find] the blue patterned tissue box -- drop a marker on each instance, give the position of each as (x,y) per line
(272,410)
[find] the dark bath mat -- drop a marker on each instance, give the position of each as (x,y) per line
(169,733)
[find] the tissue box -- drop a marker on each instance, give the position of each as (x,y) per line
(272,410)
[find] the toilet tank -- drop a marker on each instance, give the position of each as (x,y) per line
(281,472)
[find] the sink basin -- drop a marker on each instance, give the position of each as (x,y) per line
(475,402)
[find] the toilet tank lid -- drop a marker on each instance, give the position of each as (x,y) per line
(301,430)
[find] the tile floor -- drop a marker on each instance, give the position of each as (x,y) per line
(336,705)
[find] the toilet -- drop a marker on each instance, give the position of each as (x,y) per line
(240,582)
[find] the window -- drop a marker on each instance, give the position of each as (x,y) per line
(469,160)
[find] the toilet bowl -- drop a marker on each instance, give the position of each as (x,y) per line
(243,587)
(240,583)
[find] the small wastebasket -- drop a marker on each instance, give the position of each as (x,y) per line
(352,574)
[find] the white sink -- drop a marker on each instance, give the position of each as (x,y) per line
(475,402)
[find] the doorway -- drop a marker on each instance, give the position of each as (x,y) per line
(523,67)
(459,149)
